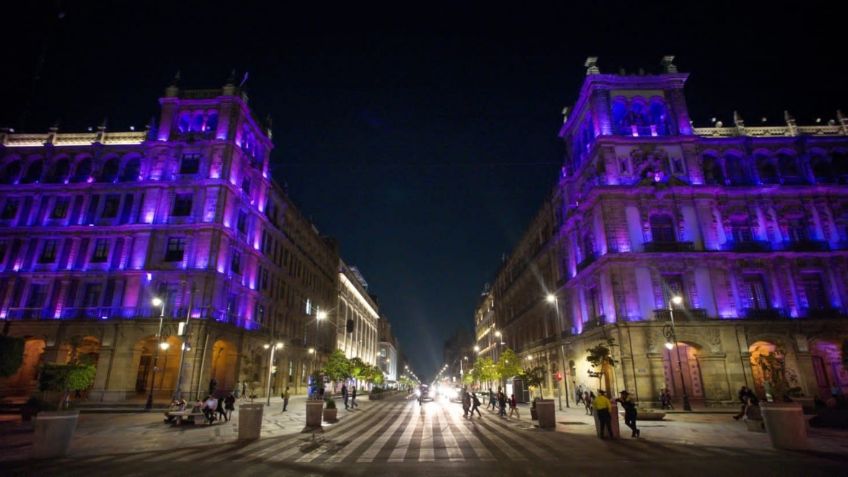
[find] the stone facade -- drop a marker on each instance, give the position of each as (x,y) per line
(747,225)
(357,317)
(95,225)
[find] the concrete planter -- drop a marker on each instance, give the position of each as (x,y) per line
(647,415)
(331,415)
(314,413)
(807,403)
(53,433)
(250,421)
(546,413)
(785,425)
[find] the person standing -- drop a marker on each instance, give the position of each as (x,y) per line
(229,405)
(344,394)
(588,398)
(286,396)
(466,403)
(665,399)
(476,405)
(743,398)
(630,412)
(501,404)
(213,385)
(602,407)
(579,395)
(353,398)
(492,399)
(513,406)
(221,412)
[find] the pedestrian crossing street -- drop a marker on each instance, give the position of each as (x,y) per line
(404,431)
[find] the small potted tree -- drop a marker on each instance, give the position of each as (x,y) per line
(783,419)
(330,411)
(541,409)
(54,429)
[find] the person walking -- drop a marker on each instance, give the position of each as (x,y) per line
(501,404)
(344,395)
(630,412)
(286,396)
(665,399)
(493,400)
(475,405)
(230,405)
(579,394)
(353,403)
(220,411)
(602,408)
(209,407)
(244,389)
(466,403)
(513,406)
(588,398)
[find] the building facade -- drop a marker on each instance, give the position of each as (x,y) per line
(357,316)
(387,356)
(96,225)
(746,226)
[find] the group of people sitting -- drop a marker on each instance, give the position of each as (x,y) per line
(212,409)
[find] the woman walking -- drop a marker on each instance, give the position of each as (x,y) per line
(513,406)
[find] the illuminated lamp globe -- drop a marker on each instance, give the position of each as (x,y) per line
(677,299)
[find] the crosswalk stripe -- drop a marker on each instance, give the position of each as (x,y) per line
(352,446)
(426,453)
(499,443)
(479,448)
(371,452)
(454,453)
(403,443)
(510,438)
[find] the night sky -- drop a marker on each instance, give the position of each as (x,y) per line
(422,137)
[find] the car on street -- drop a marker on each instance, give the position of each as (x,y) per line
(423,393)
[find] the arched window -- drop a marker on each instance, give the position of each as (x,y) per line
(33,172)
(197,122)
(797,229)
(740,230)
(132,169)
(110,170)
(788,165)
(736,170)
(766,170)
(12,172)
(839,163)
(184,122)
(619,113)
(59,172)
(662,228)
(822,171)
(588,246)
(212,121)
(83,171)
(659,117)
(712,170)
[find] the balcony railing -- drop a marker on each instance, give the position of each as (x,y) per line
(806,246)
(683,314)
(823,313)
(594,323)
(656,246)
(747,246)
(765,314)
(27,314)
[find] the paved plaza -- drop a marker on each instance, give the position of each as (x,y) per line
(398,436)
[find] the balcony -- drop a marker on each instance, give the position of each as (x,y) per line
(683,314)
(806,246)
(586,262)
(27,314)
(593,323)
(655,246)
(765,314)
(747,246)
(823,313)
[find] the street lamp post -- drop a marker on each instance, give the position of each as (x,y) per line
(277,346)
(677,300)
(159,344)
(554,300)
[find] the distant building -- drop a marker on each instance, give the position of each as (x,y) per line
(747,225)
(357,316)
(95,225)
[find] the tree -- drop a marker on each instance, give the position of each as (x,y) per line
(534,378)
(508,364)
(488,370)
(337,367)
(11,355)
(600,357)
(777,375)
(375,375)
(358,369)
(65,378)
(468,378)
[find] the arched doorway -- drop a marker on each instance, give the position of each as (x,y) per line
(23,382)
(828,368)
(224,361)
(145,353)
(683,356)
(759,350)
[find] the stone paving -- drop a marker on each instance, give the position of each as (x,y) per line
(104,433)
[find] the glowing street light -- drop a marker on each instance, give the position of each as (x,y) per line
(156,301)
(277,346)
(677,300)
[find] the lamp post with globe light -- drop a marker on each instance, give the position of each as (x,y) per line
(671,343)
(553,300)
(159,345)
(273,348)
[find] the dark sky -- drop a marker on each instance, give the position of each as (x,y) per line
(422,136)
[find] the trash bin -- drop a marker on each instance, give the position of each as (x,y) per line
(53,433)
(546,412)
(314,413)
(250,421)
(785,424)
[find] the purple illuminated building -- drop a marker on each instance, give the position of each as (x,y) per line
(95,225)
(746,225)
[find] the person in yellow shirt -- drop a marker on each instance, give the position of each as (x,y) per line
(602,409)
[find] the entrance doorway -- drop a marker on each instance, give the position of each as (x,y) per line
(683,356)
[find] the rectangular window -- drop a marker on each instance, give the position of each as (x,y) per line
(91,295)
(48,252)
(241,225)
(797,230)
(37,296)
(674,287)
(190,164)
(110,206)
(741,232)
(235,262)
(10,209)
(264,279)
(175,249)
(755,287)
(182,205)
(814,291)
(101,251)
(60,208)
(245,185)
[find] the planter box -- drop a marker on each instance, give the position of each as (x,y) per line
(650,415)
(53,433)
(807,403)
(314,411)
(755,425)
(785,425)
(250,421)
(331,415)
(546,412)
